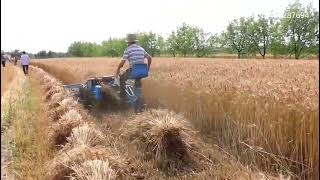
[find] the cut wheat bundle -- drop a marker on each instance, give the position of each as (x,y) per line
(59,131)
(93,170)
(165,135)
(47,86)
(63,164)
(56,99)
(85,135)
(65,105)
(51,91)
(45,79)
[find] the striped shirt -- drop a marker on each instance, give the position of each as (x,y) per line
(135,54)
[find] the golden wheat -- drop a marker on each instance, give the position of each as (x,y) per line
(263,111)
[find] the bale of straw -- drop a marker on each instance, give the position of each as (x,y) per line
(51,91)
(65,105)
(38,73)
(60,166)
(163,134)
(92,170)
(85,135)
(55,99)
(46,80)
(68,102)
(59,132)
(47,85)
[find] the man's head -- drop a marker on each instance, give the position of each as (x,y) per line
(23,52)
(131,39)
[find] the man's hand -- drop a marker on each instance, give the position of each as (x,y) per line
(117,72)
(119,67)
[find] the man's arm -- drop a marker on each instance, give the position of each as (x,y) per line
(124,58)
(146,55)
(120,66)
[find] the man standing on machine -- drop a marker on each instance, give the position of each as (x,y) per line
(134,54)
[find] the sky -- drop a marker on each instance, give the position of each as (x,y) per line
(34,25)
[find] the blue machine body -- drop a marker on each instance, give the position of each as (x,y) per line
(133,92)
(98,92)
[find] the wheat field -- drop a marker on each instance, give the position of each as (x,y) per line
(262,112)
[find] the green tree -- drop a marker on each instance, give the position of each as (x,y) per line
(260,31)
(214,41)
(202,42)
(300,25)
(109,48)
(75,49)
(185,39)
(277,41)
(50,54)
(223,43)
(171,44)
(150,42)
(42,54)
(236,35)
(161,43)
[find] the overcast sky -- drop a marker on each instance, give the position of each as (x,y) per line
(34,25)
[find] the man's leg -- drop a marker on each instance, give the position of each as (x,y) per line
(138,93)
(123,78)
(27,69)
(23,68)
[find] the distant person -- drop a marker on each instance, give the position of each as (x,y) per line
(3,59)
(134,54)
(25,60)
(15,59)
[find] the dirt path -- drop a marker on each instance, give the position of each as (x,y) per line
(9,96)
(6,155)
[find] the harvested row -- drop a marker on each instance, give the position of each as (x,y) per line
(82,145)
(63,111)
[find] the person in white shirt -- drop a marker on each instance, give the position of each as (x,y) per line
(25,60)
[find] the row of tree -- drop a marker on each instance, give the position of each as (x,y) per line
(296,33)
(50,54)
(40,55)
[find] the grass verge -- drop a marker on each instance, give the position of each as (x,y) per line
(31,147)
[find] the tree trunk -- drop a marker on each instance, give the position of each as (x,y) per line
(297,53)
(263,56)
(238,55)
